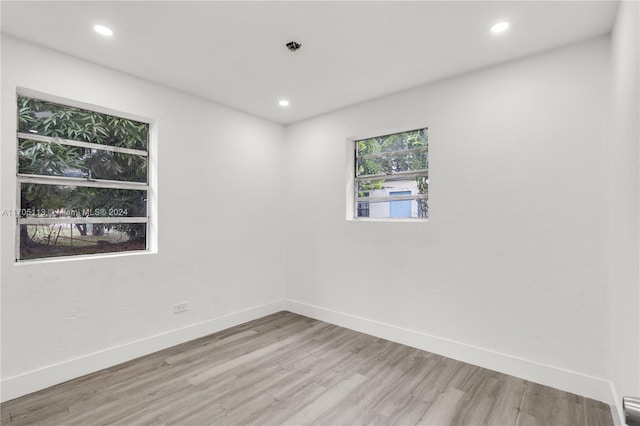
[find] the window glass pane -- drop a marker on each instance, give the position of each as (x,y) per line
(393,209)
(52,159)
(364,187)
(76,201)
(401,163)
(382,187)
(40,241)
(394,142)
(51,119)
(393,163)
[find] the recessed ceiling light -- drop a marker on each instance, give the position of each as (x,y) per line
(500,27)
(283,103)
(102,30)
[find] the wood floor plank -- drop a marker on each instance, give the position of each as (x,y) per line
(544,405)
(290,369)
(187,355)
(327,401)
(283,409)
(444,408)
(507,402)
(597,413)
(252,356)
(409,411)
(363,399)
(478,402)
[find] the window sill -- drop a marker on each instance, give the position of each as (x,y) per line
(394,220)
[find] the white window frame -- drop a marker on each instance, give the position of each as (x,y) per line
(353,179)
(22,178)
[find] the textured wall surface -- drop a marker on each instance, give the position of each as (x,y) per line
(513,256)
(220,229)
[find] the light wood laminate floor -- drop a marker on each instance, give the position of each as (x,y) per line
(290,369)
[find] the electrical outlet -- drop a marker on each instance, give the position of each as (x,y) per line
(180,307)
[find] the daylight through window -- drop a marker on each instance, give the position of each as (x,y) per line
(392,176)
(82,181)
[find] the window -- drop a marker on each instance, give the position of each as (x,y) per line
(82,181)
(392,176)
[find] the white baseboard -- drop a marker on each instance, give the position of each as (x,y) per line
(13,387)
(566,380)
(570,381)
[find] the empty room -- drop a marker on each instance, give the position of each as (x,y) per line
(317,212)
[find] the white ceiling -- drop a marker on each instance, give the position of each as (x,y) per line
(234,52)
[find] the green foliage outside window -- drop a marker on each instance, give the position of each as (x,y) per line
(44,158)
(396,160)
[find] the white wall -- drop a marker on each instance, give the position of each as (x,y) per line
(220,247)
(624,211)
(512,260)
